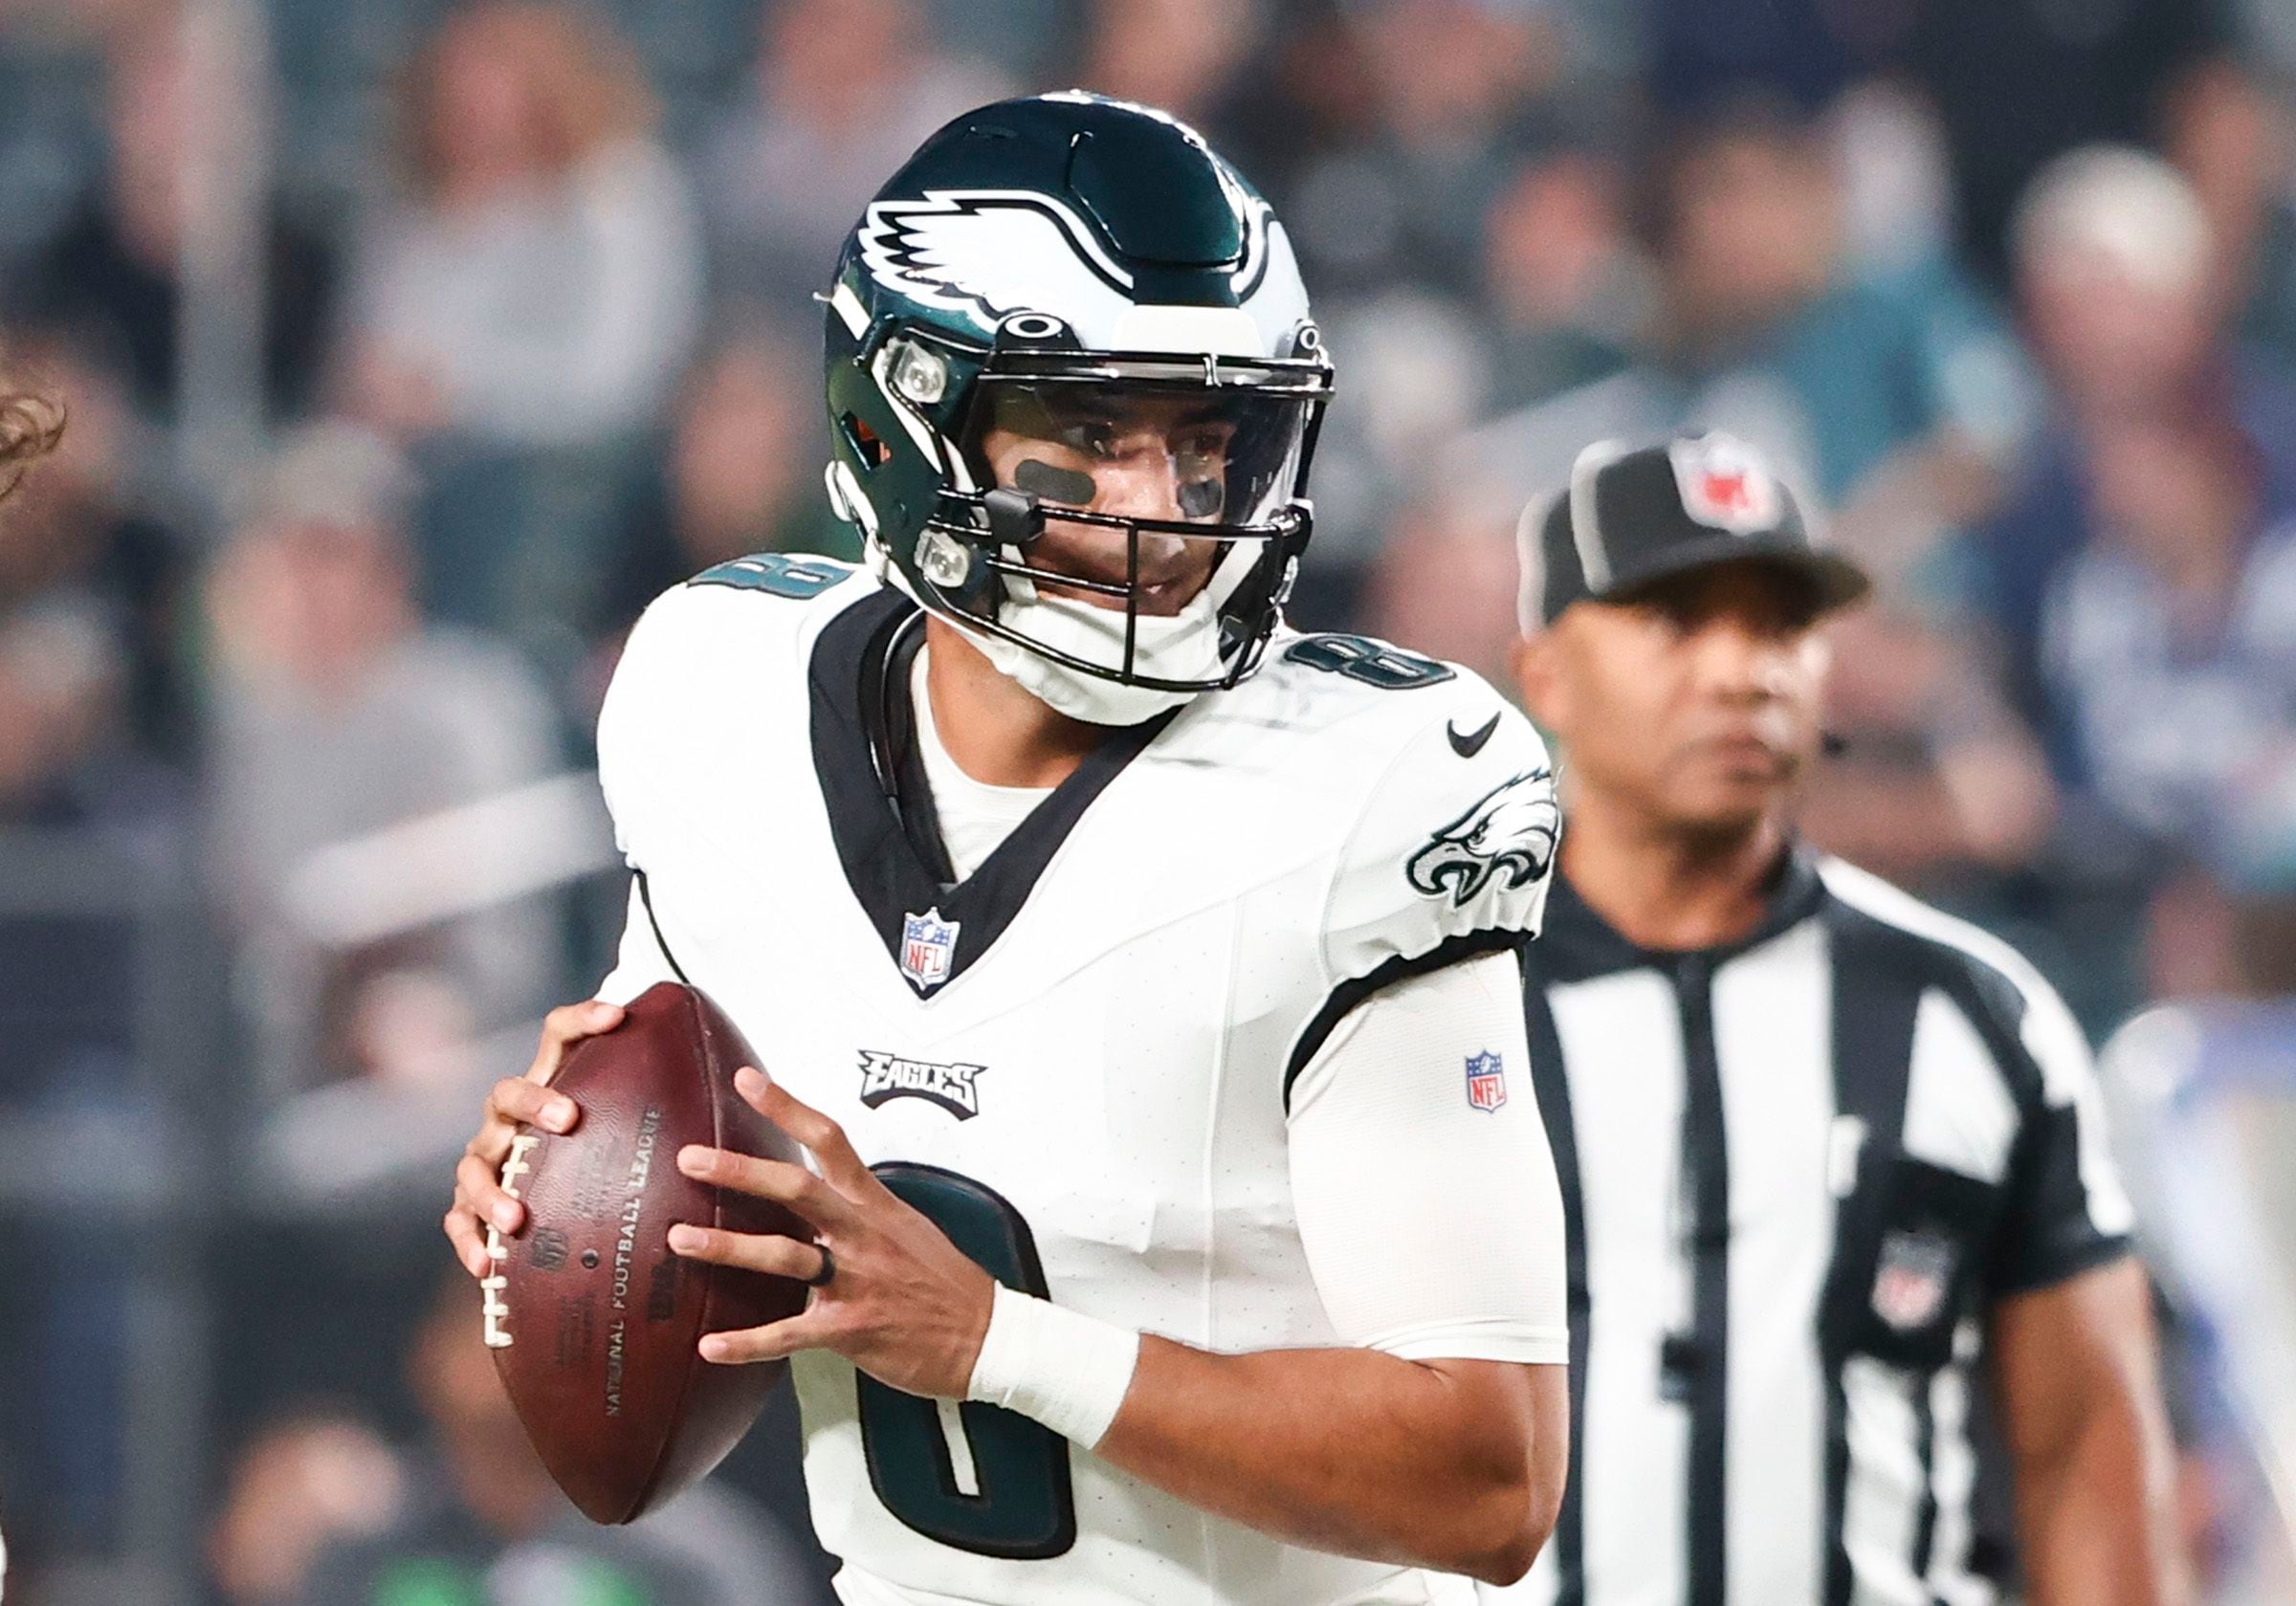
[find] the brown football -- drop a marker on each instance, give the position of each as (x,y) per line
(593,1322)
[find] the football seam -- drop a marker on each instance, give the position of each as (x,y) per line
(685,1386)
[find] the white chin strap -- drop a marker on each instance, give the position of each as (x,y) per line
(1180,647)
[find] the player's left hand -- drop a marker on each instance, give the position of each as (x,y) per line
(904,1304)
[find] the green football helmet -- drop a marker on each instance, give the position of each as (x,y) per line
(1073,390)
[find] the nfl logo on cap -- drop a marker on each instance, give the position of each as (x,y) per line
(928,943)
(1725,483)
(1486,1081)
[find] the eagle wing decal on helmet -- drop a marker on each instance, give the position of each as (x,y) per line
(1509,832)
(989,253)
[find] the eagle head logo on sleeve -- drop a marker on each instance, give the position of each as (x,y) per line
(1510,833)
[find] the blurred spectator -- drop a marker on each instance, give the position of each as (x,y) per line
(322,1511)
(2119,278)
(1702,53)
(1179,55)
(1309,91)
(2236,141)
(1447,588)
(66,759)
(2170,648)
(110,276)
(2018,82)
(842,91)
(86,590)
(98,826)
(1428,99)
(539,282)
(1897,201)
(742,474)
(1566,288)
(1418,364)
(334,714)
(311,1480)
(83,530)
(1937,785)
(2204,1105)
(1890,401)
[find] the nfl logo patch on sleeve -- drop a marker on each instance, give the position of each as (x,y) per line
(1486,1081)
(928,943)
(1914,1275)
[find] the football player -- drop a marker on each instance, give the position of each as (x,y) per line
(1137,971)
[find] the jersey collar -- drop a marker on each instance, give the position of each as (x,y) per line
(880,812)
(1576,944)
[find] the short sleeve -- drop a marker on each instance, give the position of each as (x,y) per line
(1421,1177)
(1452,851)
(2066,1211)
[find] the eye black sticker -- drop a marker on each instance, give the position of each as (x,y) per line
(1054,484)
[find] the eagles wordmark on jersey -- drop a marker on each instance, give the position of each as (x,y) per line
(1096,1089)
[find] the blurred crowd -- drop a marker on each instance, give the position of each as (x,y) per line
(411,346)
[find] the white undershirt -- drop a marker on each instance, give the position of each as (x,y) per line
(974,814)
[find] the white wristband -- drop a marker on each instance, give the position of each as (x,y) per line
(1065,1369)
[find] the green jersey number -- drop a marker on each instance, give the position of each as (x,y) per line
(776,574)
(974,1476)
(1374,663)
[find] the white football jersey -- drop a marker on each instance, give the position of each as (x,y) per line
(1076,1061)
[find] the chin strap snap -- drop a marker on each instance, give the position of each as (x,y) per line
(1014,517)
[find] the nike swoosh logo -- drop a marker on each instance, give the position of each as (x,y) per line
(1468,745)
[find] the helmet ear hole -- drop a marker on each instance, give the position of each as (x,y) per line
(864,441)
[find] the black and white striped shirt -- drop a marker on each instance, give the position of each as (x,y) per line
(1795,1172)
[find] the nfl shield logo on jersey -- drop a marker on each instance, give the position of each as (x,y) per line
(928,943)
(1486,1081)
(1911,1283)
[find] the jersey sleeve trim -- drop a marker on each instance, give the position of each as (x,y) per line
(1347,994)
(1493,1339)
(646,898)
(2035,1272)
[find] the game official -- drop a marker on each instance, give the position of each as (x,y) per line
(1821,1148)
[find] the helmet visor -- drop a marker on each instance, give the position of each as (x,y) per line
(1153,452)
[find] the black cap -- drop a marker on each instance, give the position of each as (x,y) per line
(1634,516)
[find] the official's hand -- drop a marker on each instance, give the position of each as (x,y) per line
(905,1304)
(479,1201)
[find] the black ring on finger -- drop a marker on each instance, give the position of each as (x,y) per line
(829,1269)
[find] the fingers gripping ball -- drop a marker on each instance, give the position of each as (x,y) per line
(498,1247)
(593,1322)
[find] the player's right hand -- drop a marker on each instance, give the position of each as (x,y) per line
(479,1201)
